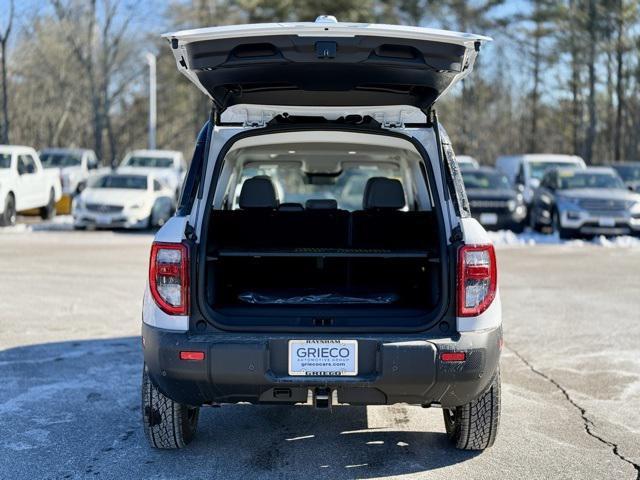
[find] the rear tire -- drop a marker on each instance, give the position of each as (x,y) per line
(8,217)
(532,220)
(474,426)
(49,210)
(167,424)
(563,233)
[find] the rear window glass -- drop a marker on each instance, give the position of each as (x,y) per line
(629,173)
(485,180)
(60,160)
(569,180)
(134,182)
(149,162)
(538,169)
(293,185)
(5,160)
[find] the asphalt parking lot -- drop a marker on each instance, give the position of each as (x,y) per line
(70,365)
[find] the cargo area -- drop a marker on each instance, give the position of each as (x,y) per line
(304,241)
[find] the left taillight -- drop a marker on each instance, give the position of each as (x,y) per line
(169,277)
(477,279)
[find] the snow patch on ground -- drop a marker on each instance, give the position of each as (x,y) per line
(57,224)
(506,238)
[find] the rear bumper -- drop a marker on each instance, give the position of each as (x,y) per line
(599,223)
(89,219)
(254,368)
(503,221)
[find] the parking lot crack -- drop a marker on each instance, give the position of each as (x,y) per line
(587,422)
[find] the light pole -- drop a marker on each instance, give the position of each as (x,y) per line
(151,60)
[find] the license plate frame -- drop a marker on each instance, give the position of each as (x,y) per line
(488,218)
(104,220)
(607,222)
(320,363)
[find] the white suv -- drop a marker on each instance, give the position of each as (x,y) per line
(273,283)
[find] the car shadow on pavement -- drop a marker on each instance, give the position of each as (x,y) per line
(73,409)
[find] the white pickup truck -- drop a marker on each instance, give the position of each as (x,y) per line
(25,185)
(168,166)
(74,166)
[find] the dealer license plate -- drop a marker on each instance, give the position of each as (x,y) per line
(103,220)
(323,357)
(488,218)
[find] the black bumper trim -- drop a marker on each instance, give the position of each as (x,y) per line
(253,368)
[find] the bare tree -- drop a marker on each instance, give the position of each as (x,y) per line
(592,56)
(97,40)
(4,39)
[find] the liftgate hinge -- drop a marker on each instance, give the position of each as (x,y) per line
(189,232)
(456,235)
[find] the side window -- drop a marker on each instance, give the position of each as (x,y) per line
(22,166)
(520,175)
(92,161)
(545,182)
(461,203)
(26,164)
(31,164)
(156,186)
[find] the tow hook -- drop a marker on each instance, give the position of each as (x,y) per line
(322,398)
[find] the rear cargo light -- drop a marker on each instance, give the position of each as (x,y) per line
(477,279)
(169,277)
(191,355)
(453,356)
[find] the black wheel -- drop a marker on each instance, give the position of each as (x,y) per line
(474,426)
(49,210)
(152,221)
(167,424)
(8,216)
(517,228)
(533,222)
(563,233)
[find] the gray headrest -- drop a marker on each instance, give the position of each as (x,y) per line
(321,204)
(383,193)
(258,192)
(291,207)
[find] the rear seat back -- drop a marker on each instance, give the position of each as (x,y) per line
(382,224)
(261,224)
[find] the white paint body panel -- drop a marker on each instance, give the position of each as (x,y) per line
(172,176)
(30,190)
(137,205)
(73,176)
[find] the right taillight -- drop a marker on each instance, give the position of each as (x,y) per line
(477,279)
(169,277)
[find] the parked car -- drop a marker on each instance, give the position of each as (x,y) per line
(118,200)
(73,164)
(168,166)
(526,171)
(467,161)
(265,302)
(630,174)
(493,200)
(25,185)
(587,202)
